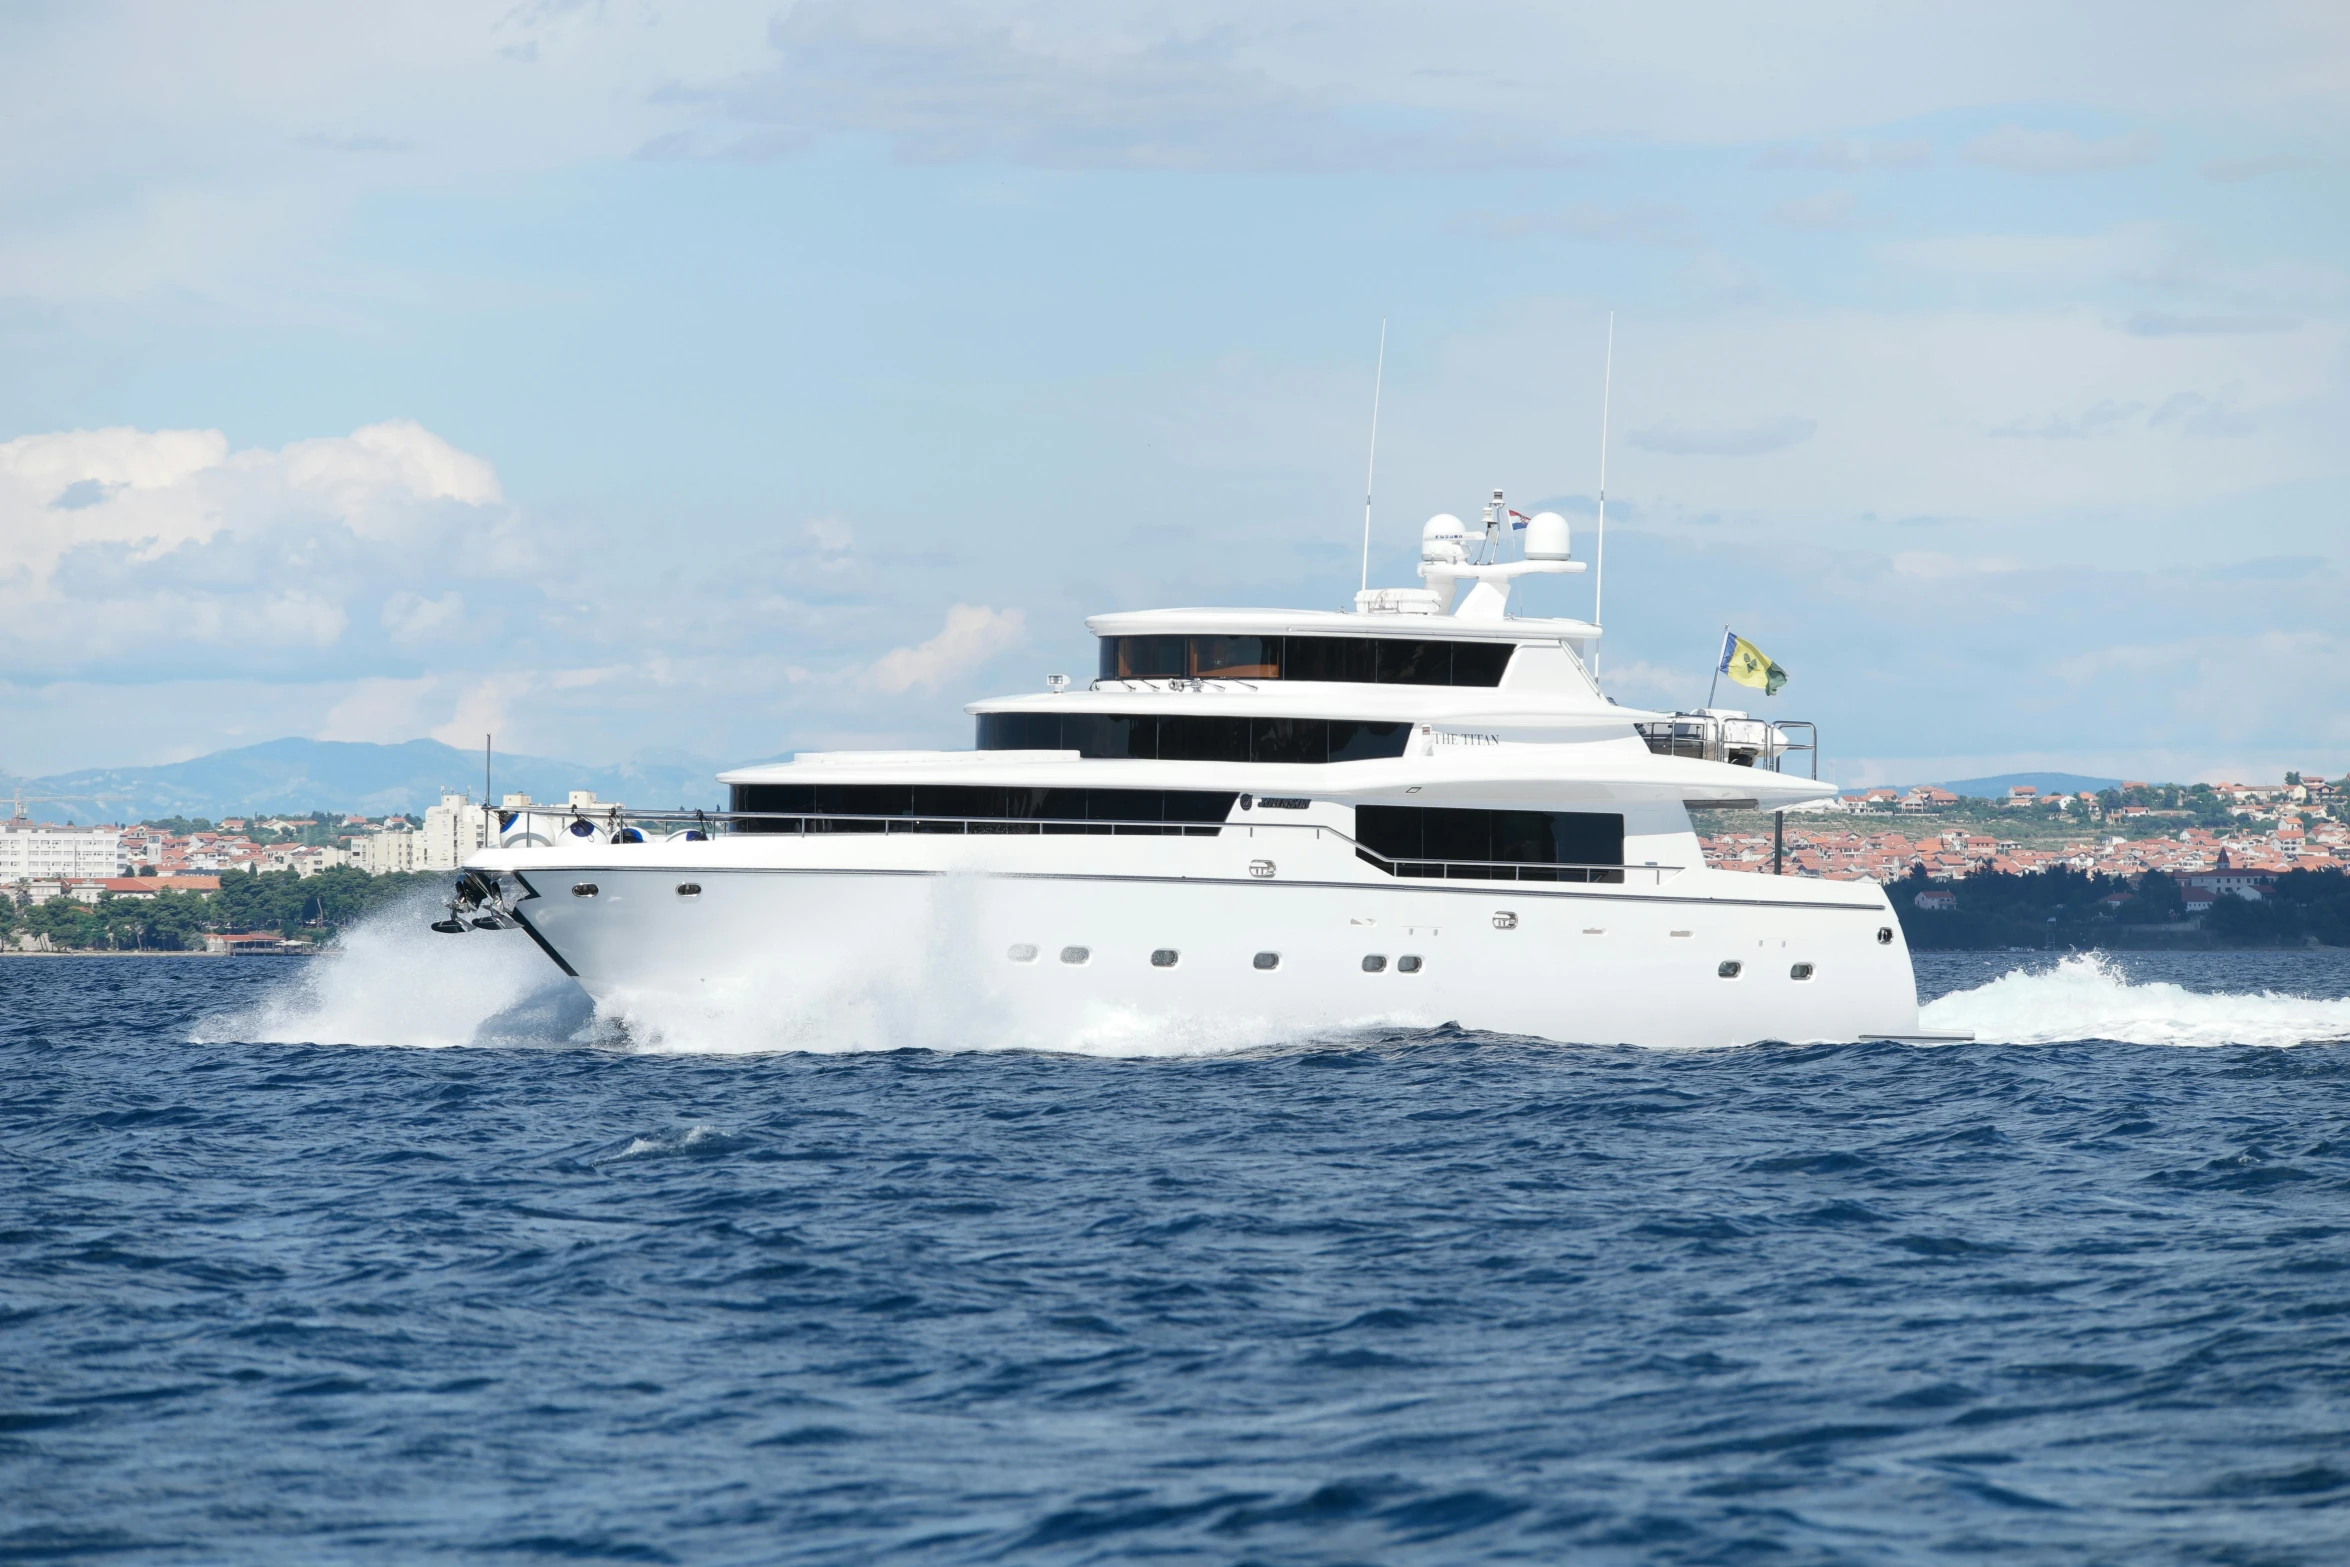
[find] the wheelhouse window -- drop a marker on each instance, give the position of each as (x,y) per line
(1411,840)
(1195,737)
(1386,661)
(969,808)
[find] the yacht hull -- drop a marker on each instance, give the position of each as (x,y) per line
(896,951)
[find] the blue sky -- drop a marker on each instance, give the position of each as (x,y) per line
(735,379)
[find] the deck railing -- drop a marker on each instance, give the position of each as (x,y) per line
(1765,743)
(617,825)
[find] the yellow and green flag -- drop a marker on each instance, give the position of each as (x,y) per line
(1749,665)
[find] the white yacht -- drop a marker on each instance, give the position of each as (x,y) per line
(1253,823)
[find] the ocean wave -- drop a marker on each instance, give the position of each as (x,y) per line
(2088,996)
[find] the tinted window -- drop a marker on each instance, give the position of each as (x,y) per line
(1359,740)
(831,808)
(1289,740)
(1203,739)
(1237,658)
(1143,658)
(1410,840)
(1352,660)
(1182,737)
(1346,659)
(1415,663)
(1480,663)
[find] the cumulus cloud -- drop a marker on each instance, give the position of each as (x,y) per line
(1118,87)
(972,634)
(120,548)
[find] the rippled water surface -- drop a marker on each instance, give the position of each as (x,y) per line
(1424,1299)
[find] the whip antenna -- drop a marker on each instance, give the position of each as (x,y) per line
(1371,468)
(1607,386)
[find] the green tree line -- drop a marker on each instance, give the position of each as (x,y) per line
(2062,907)
(297,907)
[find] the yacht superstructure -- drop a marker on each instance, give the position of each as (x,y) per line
(1415,813)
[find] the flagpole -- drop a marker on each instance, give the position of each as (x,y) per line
(1371,468)
(1717,680)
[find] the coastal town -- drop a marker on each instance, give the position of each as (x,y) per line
(240,885)
(2223,838)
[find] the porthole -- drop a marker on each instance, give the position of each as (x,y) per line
(1164,958)
(1407,964)
(1374,964)
(1884,935)
(1731,968)
(583,889)
(1800,971)
(1267,960)
(1076,955)
(1682,933)
(689,889)
(1023,953)
(1503,919)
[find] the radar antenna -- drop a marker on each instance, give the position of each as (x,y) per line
(1607,386)
(1371,468)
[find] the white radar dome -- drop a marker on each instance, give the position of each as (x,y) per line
(1546,536)
(1441,538)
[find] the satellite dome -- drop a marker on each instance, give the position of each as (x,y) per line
(1441,538)
(1546,536)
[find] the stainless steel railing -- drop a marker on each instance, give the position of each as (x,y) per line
(1743,742)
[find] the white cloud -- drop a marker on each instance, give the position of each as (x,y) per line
(2021,151)
(972,634)
(481,710)
(381,710)
(119,547)
(414,620)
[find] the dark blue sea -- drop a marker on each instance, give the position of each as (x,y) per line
(550,1296)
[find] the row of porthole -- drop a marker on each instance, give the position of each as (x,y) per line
(1731,968)
(1168,957)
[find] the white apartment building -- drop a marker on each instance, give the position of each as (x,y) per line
(453,829)
(387,851)
(30,849)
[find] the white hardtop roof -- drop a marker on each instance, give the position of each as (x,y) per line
(1484,706)
(1529,777)
(1333,623)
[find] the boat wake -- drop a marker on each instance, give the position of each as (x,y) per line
(2088,997)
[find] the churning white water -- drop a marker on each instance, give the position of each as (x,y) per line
(2088,997)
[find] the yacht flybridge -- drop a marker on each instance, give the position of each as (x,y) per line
(1251,823)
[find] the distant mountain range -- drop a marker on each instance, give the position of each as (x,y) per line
(2046,783)
(299,776)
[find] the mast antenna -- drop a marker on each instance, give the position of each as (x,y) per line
(1371,468)
(1607,386)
